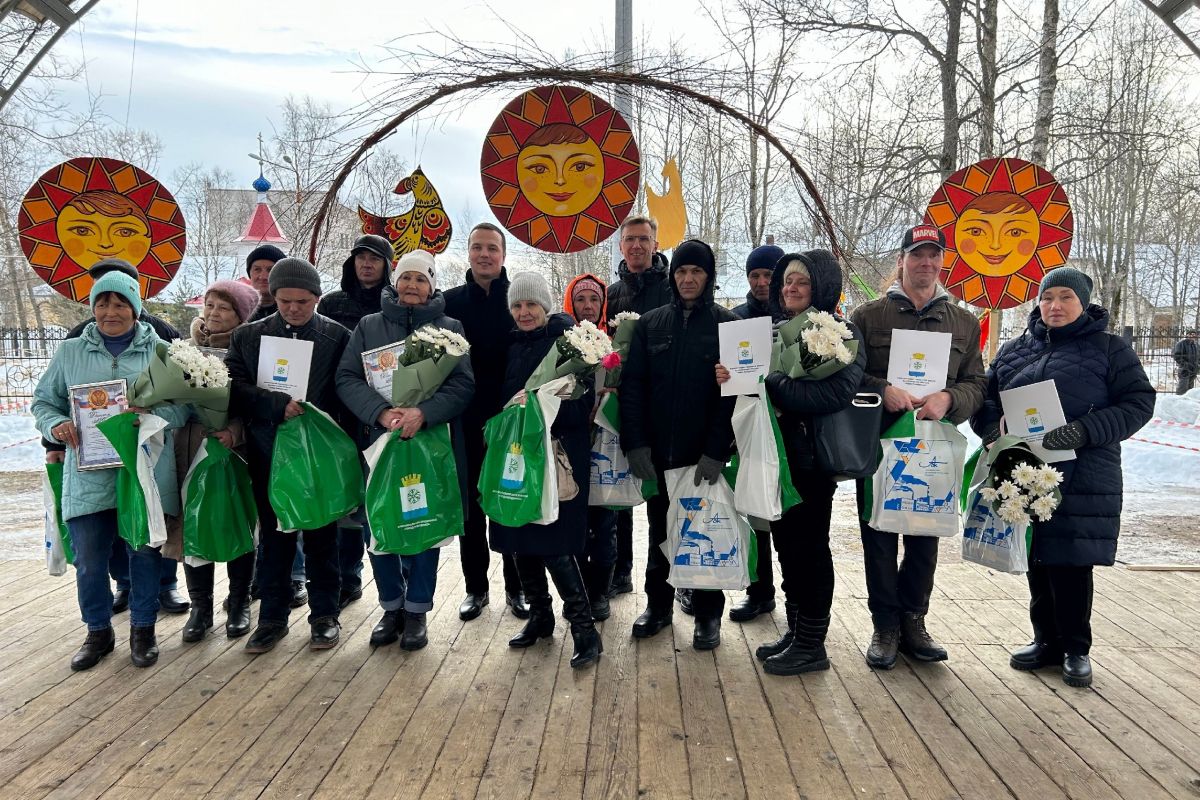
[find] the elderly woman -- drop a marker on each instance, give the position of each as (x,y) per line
(554,548)
(227,306)
(406,583)
(1106,398)
(114,346)
(802,281)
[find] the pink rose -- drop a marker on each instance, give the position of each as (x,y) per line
(612,360)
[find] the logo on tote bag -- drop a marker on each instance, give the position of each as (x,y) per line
(413,504)
(513,476)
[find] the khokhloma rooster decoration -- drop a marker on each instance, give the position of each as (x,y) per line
(668,209)
(425,226)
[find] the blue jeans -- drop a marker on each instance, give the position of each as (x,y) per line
(297,561)
(406,582)
(118,568)
(92,537)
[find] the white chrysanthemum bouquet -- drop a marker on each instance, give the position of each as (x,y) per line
(1030,490)
(622,326)
(813,345)
(180,373)
(430,355)
(579,352)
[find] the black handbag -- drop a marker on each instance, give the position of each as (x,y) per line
(846,443)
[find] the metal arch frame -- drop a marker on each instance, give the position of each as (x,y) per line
(1171,10)
(40,11)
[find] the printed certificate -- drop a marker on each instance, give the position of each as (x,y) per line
(378,366)
(918,361)
(1033,411)
(745,349)
(284,364)
(91,404)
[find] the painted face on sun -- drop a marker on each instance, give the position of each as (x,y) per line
(561,179)
(997,243)
(88,237)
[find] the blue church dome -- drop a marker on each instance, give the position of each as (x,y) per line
(261,184)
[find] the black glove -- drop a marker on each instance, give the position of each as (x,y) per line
(991,435)
(708,469)
(1071,436)
(640,463)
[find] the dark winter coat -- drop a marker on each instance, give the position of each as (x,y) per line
(965,379)
(640,291)
(487,322)
(798,401)
(262,409)
(393,324)
(1187,356)
(353,301)
(670,400)
(572,427)
(262,312)
(1101,385)
(753,307)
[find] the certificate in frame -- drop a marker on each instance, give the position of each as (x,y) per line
(378,366)
(91,404)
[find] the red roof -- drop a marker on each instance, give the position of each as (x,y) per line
(262,226)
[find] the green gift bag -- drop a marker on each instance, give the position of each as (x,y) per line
(315,478)
(219,515)
(510,481)
(139,441)
(413,498)
(55,524)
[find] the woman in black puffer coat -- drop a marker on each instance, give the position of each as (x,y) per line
(541,548)
(806,280)
(1106,398)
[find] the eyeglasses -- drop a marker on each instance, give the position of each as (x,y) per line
(636,240)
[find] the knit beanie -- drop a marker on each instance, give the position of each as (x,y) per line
(587,283)
(1070,278)
(242,296)
(416,261)
(697,254)
(530,286)
(264,252)
(796,265)
(294,273)
(764,257)
(119,282)
(106,265)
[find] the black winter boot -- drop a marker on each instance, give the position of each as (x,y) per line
(143,646)
(885,643)
(806,652)
(201,617)
(540,624)
(599,580)
(915,641)
(776,647)
(416,635)
(96,646)
(564,570)
(237,623)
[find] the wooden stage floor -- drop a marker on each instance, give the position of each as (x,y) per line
(467,717)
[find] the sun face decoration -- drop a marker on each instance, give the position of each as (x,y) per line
(89,209)
(560,169)
(1006,223)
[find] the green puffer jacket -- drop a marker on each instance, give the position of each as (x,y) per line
(84,360)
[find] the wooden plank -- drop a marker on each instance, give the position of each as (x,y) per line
(712,757)
(16,569)
(1171,690)
(662,764)
(613,740)
(562,761)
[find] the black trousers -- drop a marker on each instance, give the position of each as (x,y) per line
(802,541)
(762,588)
(625,542)
(200,579)
(600,550)
(1060,607)
(568,580)
(706,603)
(894,589)
(473,546)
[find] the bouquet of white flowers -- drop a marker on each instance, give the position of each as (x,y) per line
(430,355)
(813,345)
(622,325)
(180,373)
(579,352)
(1031,489)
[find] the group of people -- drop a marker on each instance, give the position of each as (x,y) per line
(672,415)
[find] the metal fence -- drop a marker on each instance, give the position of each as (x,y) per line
(24,355)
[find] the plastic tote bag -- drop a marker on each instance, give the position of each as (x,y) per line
(916,489)
(140,519)
(709,544)
(413,499)
(987,539)
(58,541)
(219,516)
(764,480)
(316,478)
(611,483)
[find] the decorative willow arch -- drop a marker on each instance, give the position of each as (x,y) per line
(590,77)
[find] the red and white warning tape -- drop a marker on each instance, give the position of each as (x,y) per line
(1157,421)
(18,444)
(1164,444)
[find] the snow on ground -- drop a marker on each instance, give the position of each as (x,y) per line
(20,444)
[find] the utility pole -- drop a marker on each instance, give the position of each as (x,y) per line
(622,98)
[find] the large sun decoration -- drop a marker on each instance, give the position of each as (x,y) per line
(560,168)
(89,209)
(1007,222)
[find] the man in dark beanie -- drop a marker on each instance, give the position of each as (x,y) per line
(760,266)
(170,599)
(673,415)
(258,270)
(296,288)
(365,272)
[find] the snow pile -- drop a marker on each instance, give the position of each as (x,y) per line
(20,444)
(1166,453)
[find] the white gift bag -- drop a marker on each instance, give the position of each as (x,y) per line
(915,491)
(756,490)
(151,442)
(708,541)
(56,557)
(610,480)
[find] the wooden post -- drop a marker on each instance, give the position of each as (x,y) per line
(996,320)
